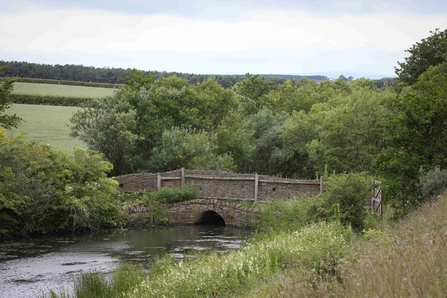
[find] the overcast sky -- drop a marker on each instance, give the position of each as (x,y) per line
(328,37)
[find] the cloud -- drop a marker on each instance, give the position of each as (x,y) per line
(214,36)
(102,32)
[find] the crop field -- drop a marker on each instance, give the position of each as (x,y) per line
(61,90)
(47,124)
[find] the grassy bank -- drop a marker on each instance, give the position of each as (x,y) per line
(61,90)
(46,124)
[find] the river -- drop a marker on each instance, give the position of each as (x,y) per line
(33,267)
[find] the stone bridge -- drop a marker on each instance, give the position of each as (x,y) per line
(201,211)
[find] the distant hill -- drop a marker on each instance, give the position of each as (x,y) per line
(80,73)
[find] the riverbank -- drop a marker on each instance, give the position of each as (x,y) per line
(403,259)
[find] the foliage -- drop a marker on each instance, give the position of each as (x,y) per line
(287,214)
(268,145)
(107,126)
(430,51)
(68,82)
(167,195)
(43,190)
(49,100)
(214,101)
(89,74)
(289,97)
(93,284)
(252,90)
(181,148)
(6,87)
(416,138)
(433,183)
(344,199)
(341,133)
(234,138)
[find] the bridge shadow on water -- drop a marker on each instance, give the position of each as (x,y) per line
(209,217)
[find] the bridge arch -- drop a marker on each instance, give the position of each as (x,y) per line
(201,211)
(209,217)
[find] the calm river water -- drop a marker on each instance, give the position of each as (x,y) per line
(31,268)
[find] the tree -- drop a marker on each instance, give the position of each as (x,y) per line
(234,138)
(189,149)
(253,90)
(416,138)
(43,190)
(429,51)
(6,87)
(107,125)
(268,156)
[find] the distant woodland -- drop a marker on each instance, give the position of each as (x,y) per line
(80,73)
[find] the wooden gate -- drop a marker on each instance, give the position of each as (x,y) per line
(376,199)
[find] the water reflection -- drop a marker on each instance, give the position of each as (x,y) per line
(30,268)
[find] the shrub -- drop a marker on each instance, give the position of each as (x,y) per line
(433,183)
(174,195)
(48,100)
(345,199)
(288,214)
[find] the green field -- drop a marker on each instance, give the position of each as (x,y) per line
(46,124)
(61,90)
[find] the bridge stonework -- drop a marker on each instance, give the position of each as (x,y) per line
(189,212)
(223,185)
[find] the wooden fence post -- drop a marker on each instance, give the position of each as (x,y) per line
(256,187)
(158,180)
(321,184)
(183,176)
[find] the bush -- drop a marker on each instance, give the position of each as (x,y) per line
(433,183)
(287,214)
(70,83)
(167,195)
(48,100)
(345,199)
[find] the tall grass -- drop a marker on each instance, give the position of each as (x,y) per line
(315,251)
(95,284)
(61,90)
(408,259)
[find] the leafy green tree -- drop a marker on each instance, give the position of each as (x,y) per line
(342,133)
(214,103)
(289,97)
(268,155)
(344,199)
(6,87)
(252,91)
(189,149)
(108,126)
(428,52)
(43,190)
(416,138)
(234,138)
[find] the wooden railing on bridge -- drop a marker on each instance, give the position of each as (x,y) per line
(223,185)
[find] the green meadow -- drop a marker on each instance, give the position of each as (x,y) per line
(46,124)
(61,90)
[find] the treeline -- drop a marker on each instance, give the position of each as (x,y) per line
(80,73)
(69,83)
